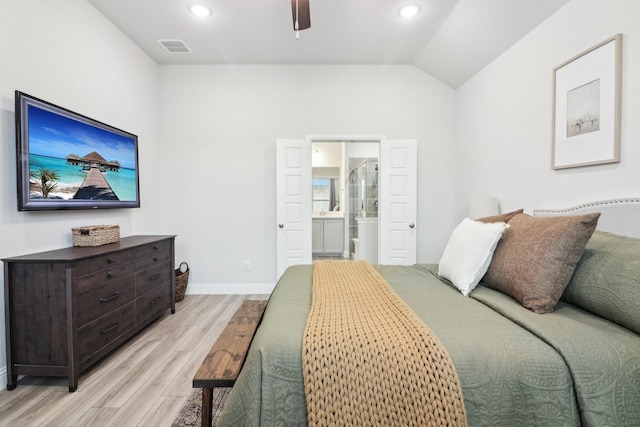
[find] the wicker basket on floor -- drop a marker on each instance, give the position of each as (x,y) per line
(95,235)
(182,277)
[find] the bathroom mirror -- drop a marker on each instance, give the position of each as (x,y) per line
(326,194)
(326,172)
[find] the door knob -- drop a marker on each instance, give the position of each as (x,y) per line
(411,225)
(281,225)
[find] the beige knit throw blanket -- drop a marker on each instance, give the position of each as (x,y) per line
(368,360)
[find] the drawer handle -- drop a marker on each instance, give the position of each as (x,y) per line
(155,300)
(109,275)
(154,277)
(111,329)
(112,297)
(109,260)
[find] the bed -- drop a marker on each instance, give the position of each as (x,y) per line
(577,365)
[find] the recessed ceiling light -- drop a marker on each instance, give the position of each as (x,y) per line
(199,10)
(409,10)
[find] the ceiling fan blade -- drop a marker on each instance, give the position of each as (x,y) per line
(302,14)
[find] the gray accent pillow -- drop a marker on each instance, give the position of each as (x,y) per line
(536,257)
(606,281)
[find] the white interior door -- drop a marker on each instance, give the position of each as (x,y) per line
(397,213)
(293,206)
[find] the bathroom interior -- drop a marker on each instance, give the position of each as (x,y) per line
(345,200)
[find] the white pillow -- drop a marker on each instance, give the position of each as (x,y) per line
(468,254)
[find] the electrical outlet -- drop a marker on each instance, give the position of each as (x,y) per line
(247,266)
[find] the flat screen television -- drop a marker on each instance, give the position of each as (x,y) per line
(69,161)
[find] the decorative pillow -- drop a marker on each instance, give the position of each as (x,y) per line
(537,256)
(468,253)
(505,217)
(607,279)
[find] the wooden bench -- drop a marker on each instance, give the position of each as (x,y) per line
(222,365)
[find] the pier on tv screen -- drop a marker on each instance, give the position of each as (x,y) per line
(69,161)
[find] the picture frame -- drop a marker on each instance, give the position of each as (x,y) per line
(586,107)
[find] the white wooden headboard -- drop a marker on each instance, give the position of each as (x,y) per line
(619,216)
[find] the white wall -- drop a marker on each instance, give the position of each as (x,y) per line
(505,113)
(219,126)
(65,52)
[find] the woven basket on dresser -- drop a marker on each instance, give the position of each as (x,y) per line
(95,235)
(182,277)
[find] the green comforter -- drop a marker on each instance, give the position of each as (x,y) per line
(517,368)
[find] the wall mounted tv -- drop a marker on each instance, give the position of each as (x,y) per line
(69,161)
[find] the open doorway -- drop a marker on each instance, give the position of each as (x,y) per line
(345,199)
(397,179)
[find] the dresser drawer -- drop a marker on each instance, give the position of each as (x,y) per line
(101,262)
(97,334)
(148,261)
(114,273)
(162,250)
(152,277)
(102,293)
(153,304)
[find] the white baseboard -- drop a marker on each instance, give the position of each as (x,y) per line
(228,288)
(3,378)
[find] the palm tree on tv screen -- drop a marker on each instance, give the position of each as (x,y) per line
(44,180)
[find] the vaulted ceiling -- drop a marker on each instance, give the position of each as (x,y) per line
(449,39)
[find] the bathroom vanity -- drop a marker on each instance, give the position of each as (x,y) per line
(327,236)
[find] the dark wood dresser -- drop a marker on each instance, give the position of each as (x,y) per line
(66,309)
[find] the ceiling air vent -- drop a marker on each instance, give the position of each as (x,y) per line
(174,46)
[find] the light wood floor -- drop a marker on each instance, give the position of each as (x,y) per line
(144,383)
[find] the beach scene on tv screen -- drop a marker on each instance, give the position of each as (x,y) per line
(72,160)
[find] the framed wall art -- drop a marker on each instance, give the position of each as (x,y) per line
(586,107)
